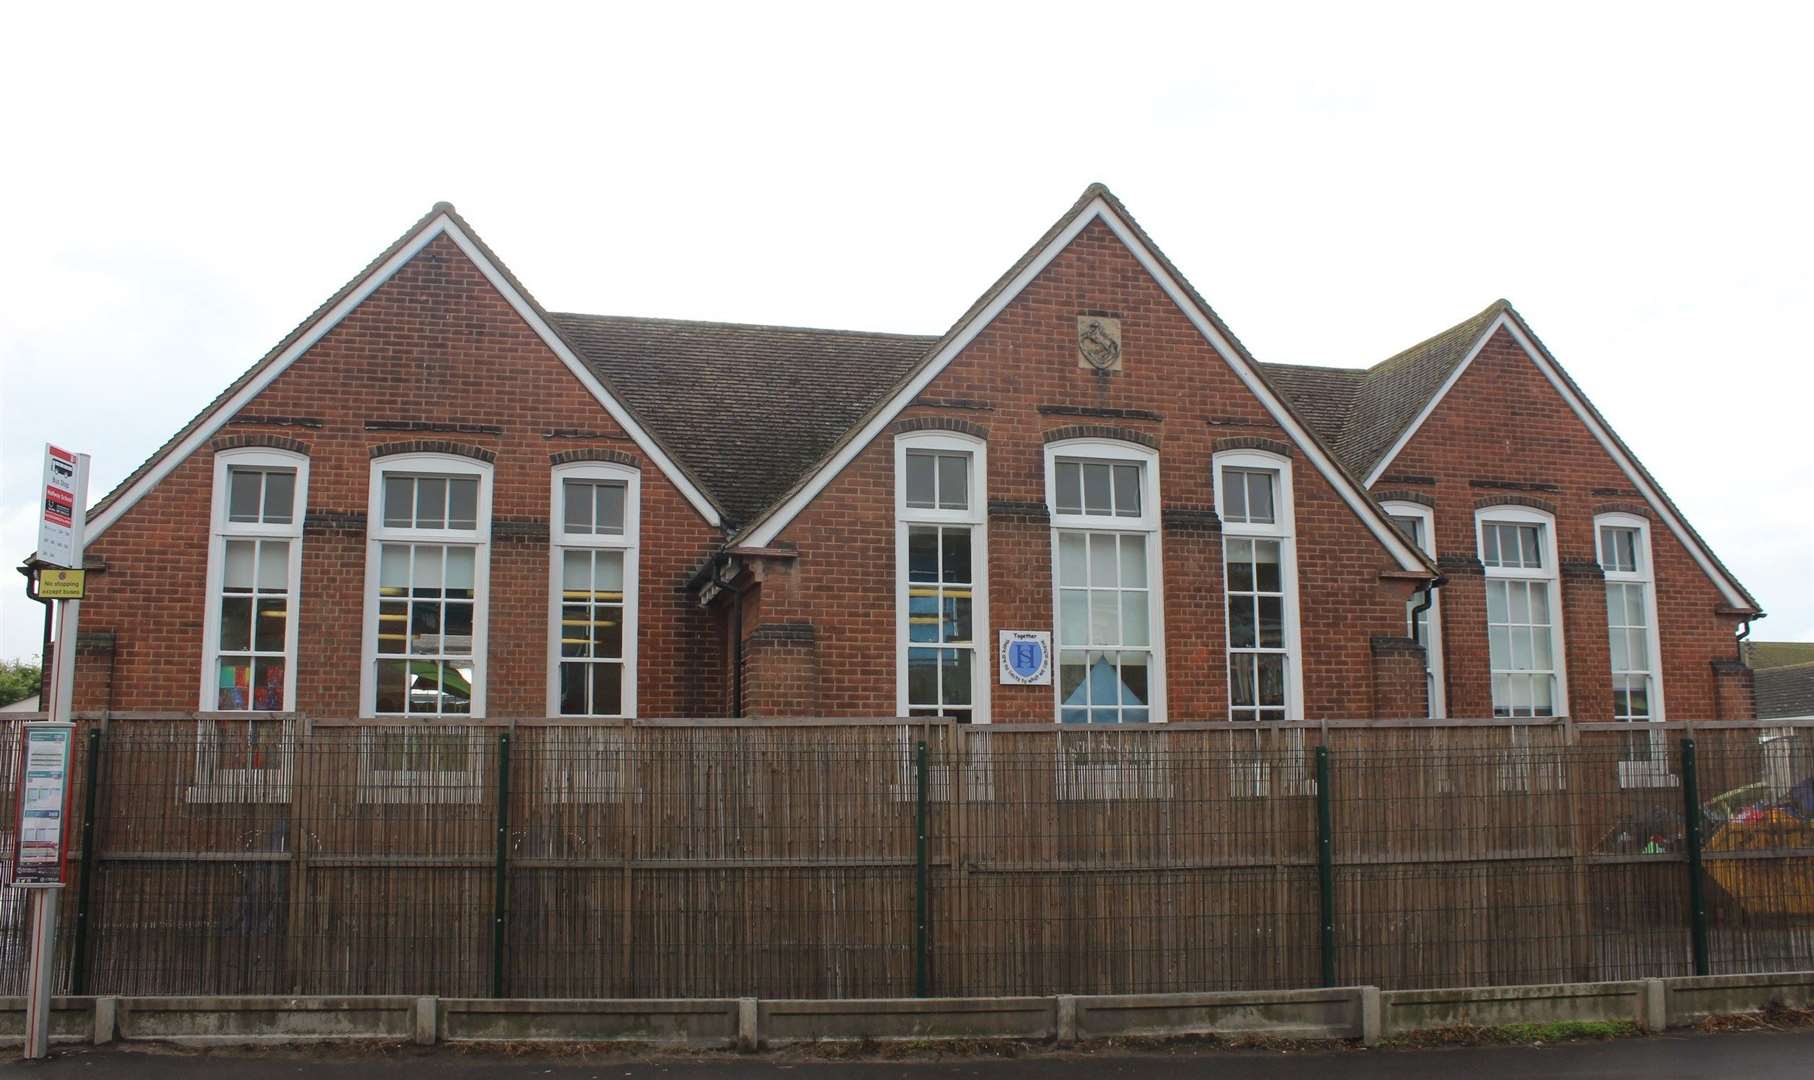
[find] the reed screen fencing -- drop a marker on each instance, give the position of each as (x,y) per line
(888,859)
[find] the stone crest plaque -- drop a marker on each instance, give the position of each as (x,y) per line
(1099,342)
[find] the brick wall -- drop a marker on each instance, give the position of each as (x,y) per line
(1173,388)
(437,345)
(1503,434)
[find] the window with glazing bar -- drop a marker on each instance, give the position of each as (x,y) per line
(941,592)
(1253,500)
(1624,542)
(428,570)
(1417,522)
(1103,499)
(592,662)
(1517,549)
(254,563)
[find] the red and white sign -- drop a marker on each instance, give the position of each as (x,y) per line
(57,522)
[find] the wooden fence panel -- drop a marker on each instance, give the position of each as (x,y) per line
(779,859)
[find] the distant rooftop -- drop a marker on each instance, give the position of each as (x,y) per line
(1761,655)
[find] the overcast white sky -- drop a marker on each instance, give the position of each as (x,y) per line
(184,184)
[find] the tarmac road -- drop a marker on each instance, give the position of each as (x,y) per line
(1750,1056)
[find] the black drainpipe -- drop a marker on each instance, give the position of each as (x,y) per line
(31,593)
(1428,592)
(719,561)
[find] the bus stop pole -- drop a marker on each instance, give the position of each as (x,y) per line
(46,899)
(43,962)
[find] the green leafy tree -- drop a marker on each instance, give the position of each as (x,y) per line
(19,679)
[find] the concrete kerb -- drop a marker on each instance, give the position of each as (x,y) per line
(1693,998)
(1655,1012)
(428,1022)
(1491,1006)
(242,1020)
(1361,1012)
(810,1020)
(106,1019)
(681,1022)
(749,1036)
(71,1020)
(1335,1013)
(1372,1016)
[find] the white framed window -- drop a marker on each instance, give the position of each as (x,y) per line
(1622,542)
(1523,611)
(593,531)
(1631,616)
(1106,582)
(427,576)
(1419,523)
(1260,590)
(941,576)
(254,581)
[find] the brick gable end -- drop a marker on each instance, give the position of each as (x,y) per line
(1504,430)
(436,347)
(1023,369)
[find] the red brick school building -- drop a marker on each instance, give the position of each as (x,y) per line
(436,499)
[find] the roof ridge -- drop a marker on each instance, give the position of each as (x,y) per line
(138,472)
(1288,365)
(743,325)
(1495,308)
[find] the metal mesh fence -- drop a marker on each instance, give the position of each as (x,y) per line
(13,928)
(833,861)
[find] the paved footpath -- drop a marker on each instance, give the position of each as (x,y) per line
(1753,1056)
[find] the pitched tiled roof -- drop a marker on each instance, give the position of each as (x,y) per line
(749,414)
(1397,389)
(1784,691)
(211,413)
(95,509)
(1771,654)
(1323,396)
(749,408)
(1361,412)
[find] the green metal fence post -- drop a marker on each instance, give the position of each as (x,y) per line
(1697,900)
(922,899)
(1325,864)
(78,979)
(500,886)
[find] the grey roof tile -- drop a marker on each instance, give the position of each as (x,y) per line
(1376,405)
(1323,396)
(1784,691)
(1361,412)
(750,409)
(748,412)
(1771,654)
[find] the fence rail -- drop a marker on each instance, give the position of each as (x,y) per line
(840,860)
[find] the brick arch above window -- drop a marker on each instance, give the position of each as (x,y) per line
(1103,431)
(939,423)
(596,453)
(1534,503)
(265,442)
(1634,509)
(1252,442)
(1417,497)
(435,446)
